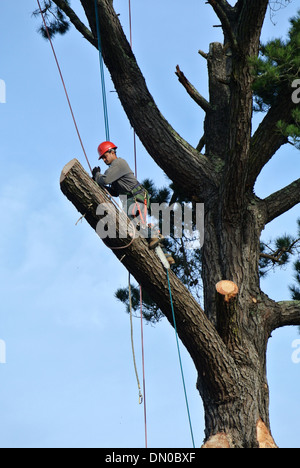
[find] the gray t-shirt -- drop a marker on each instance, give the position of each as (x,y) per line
(119,176)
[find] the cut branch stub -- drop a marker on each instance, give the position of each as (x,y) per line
(227,318)
(228,289)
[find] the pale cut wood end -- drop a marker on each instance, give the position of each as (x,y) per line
(67,168)
(227,288)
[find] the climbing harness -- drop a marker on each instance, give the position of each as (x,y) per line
(141,197)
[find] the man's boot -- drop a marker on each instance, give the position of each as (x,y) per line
(154,241)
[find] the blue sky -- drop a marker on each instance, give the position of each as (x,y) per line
(69,380)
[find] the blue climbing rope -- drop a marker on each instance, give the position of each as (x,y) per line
(105,110)
(180,362)
(106,122)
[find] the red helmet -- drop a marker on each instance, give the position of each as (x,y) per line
(104,147)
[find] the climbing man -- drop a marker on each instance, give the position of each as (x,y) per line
(119,179)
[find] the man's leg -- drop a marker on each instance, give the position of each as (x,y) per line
(137,213)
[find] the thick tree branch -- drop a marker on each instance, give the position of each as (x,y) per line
(198,334)
(79,25)
(192,91)
(281,201)
(286,313)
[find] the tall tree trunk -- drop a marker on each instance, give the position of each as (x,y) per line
(233,226)
(230,252)
(228,339)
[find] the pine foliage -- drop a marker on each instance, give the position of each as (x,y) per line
(56,20)
(275,71)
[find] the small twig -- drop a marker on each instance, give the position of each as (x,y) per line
(203,54)
(80,219)
(201,144)
(191,90)
(84,215)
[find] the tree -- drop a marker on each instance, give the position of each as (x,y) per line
(227,339)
